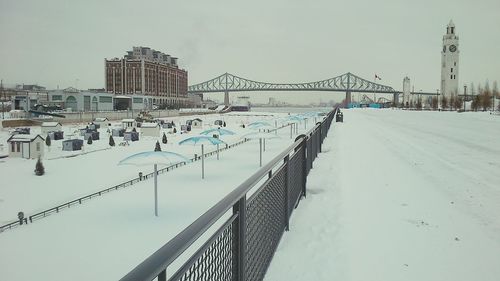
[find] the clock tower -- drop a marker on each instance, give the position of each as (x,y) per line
(449,62)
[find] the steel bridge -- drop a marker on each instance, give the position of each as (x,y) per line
(347,83)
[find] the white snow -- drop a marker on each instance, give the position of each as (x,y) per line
(395,195)
(409,196)
(104,238)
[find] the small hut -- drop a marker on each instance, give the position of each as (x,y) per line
(150,129)
(22,131)
(50,127)
(91,134)
(101,121)
(117,132)
(131,136)
(72,145)
(26,146)
(94,126)
(218,122)
(129,123)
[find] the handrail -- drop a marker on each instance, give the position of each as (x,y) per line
(156,263)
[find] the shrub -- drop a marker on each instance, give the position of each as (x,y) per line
(89,141)
(164,139)
(157,146)
(47,140)
(39,169)
(111,141)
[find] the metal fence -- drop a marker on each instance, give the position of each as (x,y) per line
(242,247)
(133,181)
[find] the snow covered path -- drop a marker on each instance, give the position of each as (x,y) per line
(409,196)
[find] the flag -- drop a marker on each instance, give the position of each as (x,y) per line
(377,77)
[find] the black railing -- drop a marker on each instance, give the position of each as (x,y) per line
(242,247)
(78,201)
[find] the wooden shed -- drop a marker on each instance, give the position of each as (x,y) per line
(131,136)
(72,145)
(102,121)
(150,129)
(117,132)
(50,127)
(129,123)
(26,146)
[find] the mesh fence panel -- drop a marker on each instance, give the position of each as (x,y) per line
(296,179)
(265,225)
(216,262)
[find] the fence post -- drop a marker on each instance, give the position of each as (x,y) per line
(320,135)
(304,167)
(162,276)
(287,195)
(239,230)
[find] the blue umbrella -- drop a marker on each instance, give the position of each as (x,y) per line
(262,136)
(201,140)
(259,124)
(155,158)
(219,131)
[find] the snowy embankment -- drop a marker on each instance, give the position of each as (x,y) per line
(399,195)
(104,238)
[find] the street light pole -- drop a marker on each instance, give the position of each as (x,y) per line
(465,94)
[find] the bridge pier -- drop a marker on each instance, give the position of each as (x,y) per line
(395,99)
(226,98)
(347,98)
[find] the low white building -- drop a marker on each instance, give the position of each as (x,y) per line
(129,123)
(26,146)
(150,129)
(102,121)
(48,127)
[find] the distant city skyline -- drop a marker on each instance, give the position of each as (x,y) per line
(60,43)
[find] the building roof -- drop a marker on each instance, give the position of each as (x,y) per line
(50,124)
(149,125)
(197,119)
(101,119)
(23,138)
(73,140)
(128,120)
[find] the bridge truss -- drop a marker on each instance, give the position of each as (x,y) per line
(347,83)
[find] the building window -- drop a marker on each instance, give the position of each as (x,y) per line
(105,99)
(451,76)
(455,64)
(18,144)
(452,70)
(13,146)
(57,97)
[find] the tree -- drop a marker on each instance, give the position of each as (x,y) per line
(111,141)
(434,103)
(164,139)
(47,140)
(419,104)
(175,130)
(444,103)
(486,99)
(89,141)
(224,124)
(39,168)
(452,102)
(157,146)
(494,92)
(459,102)
(134,130)
(475,103)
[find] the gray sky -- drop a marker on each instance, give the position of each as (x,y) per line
(61,42)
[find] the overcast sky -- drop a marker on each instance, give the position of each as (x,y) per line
(61,42)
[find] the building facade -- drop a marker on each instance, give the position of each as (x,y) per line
(449,62)
(144,71)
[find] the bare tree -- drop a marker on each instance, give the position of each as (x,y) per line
(434,103)
(444,102)
(458,102)
(452,102)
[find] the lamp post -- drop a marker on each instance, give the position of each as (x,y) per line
(465,94)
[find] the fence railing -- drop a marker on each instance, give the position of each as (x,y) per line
(242,247)
(82,199)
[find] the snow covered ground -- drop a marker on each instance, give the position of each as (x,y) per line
(409,196)
(104,238)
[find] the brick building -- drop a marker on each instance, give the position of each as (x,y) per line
(144,71)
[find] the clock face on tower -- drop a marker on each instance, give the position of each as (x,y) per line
(453,48)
